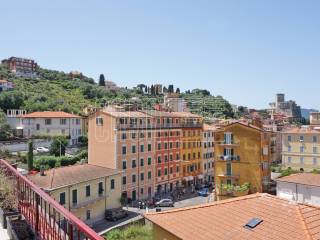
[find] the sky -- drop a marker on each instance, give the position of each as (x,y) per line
(245,50)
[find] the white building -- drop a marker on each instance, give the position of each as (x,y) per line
(172,102)
(47,124)
(208,152)
(301,187)
(5,85)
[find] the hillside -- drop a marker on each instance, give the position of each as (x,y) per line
(55,90)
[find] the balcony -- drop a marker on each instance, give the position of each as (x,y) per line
(234,143)
(228,158)
(47,218)
(228,175)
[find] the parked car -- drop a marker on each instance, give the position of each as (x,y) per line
(204,192)
(199,186)
(115,214)
(42,150)
(165,203)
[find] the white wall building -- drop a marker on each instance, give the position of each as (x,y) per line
(48,124)
(301,187)
(5,85)
(208,152)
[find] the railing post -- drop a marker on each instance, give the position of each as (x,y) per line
(37,220)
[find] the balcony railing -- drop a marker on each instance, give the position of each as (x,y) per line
(228,175)
(47,217)
(229,158)
(159,125)
(232,143)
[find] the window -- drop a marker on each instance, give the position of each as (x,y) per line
(171,145)
(165,145)
(159,173)
(165,158)
(124,150)
(289,148)
(62,199)
(88,214)
(134,163)
(149,134)
(301,149)
(315,161)
(141,191)
(99,121)
(315,149)
(166,171)
(124,164)
(289,159)
(38,126)
(177,169)
(141,162)
(124,136)
(301,138)
(88,191)
(124,180)
(171,157)
(141,135)
(47,121)
(142,176)
(159,146)
(63,121)
(74,197)
(78,121)
(133,135)
(141,148)
(301,160)
(149,160)
(133,149)
(149,175)
(133,178)
(159,159)
(112,184)
(289,138)
(100,188)
(149,147)
(171,170)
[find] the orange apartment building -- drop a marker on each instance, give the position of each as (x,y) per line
(146,146)
(124,141)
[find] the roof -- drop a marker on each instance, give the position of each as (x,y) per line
(245,124)
(65,176)
(126,114)
(302,130)
(50,114)
(207,127)
(312,179)
(226,219)
(185,115)
(155,113)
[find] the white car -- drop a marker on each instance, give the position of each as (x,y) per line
(42,150)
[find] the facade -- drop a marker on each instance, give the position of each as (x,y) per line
(208,152)
(5,85)
(315,118)
(301,148)
(47,124)
(242,155)
(85,190)
(172,102)
(301,187)
(146,146)
(288,108)
(21,66)
(257,216)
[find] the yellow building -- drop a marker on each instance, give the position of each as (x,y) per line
(242,155)
(300,148)
(191,150)
(85,190)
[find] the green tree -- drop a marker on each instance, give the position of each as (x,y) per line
(58,146)
(5,130)
(102,81)
(30,155)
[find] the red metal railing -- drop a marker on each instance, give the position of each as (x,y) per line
(48,218)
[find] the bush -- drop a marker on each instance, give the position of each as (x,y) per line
(46,161)
(133,232)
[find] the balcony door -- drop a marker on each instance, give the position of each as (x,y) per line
(229,169)
(228,138)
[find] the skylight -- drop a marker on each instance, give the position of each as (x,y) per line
(254,222)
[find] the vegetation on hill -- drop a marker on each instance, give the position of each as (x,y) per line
(55,90)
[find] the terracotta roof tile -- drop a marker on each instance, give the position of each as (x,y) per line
(226,219)
(65,176)
(302,178)
(50,114)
